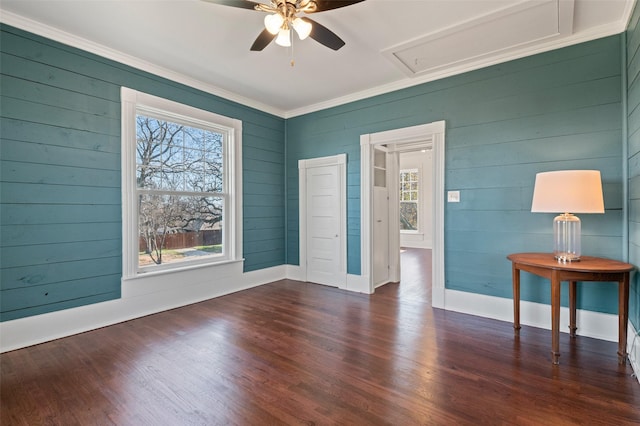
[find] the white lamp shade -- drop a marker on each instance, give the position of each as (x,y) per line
(273,23)
(568,191)
(284,38)
(302,27)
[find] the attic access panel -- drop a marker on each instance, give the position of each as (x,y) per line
(487,37)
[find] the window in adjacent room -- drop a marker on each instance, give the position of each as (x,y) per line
(179,185)
(409,181)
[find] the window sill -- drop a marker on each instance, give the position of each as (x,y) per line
(176,270)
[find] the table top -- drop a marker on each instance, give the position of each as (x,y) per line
(586,263)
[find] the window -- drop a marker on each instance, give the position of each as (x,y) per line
(180,185)
(409,200)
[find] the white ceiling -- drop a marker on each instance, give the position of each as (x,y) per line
(390,44)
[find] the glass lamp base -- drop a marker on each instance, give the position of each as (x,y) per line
(566,237)
(566,257)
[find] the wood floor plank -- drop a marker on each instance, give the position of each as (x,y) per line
(299,353)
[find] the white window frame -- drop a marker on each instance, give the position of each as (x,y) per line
(134,103)
(417,202)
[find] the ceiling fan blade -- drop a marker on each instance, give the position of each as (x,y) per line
(243,4)
(324,35)
(323,5)
(262,41)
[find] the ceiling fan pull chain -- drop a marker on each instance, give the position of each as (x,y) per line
(292,61)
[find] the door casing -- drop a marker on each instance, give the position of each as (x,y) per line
(409,135)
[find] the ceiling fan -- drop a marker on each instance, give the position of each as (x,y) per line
(283,16)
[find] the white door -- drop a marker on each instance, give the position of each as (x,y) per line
(380,236)
(324,236)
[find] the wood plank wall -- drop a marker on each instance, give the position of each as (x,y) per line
(60,165)
(552,111)
(60,176)
(633,151)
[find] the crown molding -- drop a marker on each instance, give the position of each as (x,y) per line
(69,39)
(595,33)
(74,41)
(626,16)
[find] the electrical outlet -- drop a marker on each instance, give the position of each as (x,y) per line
(453,196)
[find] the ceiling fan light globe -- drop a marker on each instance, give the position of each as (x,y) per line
(284,38)
(273,23)
(303,28)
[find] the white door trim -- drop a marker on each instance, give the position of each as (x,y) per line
(339,160)
(433,131)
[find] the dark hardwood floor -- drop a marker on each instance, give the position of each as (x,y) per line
(298,353)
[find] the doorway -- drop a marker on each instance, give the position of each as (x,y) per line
(416,275)
(393,142)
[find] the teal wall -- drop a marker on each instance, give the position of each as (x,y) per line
(505,123)
(633,151)
(60,190)
(60,178)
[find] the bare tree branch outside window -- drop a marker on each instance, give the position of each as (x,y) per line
(180,184)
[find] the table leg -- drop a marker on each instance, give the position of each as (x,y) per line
(623,317)
(516,297)
(555,317)
(572,309)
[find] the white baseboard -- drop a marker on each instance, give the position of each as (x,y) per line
(37,329)
(264,276)
(438,297)
(294,272)
(358,283)
(23,332)
(590,324)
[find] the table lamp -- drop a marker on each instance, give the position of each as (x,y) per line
(567,192)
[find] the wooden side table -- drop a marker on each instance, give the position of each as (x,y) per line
(587,269)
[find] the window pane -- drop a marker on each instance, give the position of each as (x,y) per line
(408,200)
(408,216)
(195,177)
(177,228)
(213,161)
(175,157)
